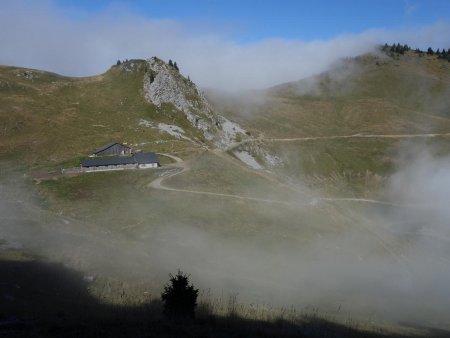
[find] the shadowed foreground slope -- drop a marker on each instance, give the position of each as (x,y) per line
(48,300)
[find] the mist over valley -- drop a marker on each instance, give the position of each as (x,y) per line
(311,203)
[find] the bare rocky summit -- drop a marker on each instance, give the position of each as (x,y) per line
(163,84)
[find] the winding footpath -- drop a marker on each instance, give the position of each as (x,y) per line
(358,135)
(180,167)
(337,137)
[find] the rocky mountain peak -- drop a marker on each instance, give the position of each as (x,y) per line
(163,84)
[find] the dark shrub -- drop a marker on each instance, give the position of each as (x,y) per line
(179,297)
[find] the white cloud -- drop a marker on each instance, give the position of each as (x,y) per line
(42,36)
(410,8)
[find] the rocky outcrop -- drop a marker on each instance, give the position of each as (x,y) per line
(163,84)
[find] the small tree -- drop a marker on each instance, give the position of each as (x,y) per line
(175,66)
(179,297)
(118,63)
(170,63)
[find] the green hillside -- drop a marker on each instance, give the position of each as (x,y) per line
(280,243)
(365,96)
(47,119)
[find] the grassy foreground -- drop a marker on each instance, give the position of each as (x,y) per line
(48,300)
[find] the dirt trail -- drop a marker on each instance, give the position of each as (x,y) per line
(179,164)
(334,137)
(364,200)
(173,157)
(182,166)
(185,166)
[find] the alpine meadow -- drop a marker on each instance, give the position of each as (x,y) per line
(139,203)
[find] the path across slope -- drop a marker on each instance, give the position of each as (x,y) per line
(335,137)
(182,166)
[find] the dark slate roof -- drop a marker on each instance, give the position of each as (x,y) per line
(96,162)
(143,158)
(109,145)
(139,158)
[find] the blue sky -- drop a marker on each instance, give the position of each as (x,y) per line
(223,44)
(253,20)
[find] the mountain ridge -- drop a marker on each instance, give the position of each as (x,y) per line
(45,110)
(50,120)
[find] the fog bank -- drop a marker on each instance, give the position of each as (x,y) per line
(39,35)
(378,262)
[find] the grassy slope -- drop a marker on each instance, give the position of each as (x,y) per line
(55,119)
(51,119)
(67,308)
(213,173)
(366,95)
(115,213)
(134,207)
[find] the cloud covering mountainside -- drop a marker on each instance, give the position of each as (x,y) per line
(39,35)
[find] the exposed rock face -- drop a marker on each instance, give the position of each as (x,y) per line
(251,152)
(164,84)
